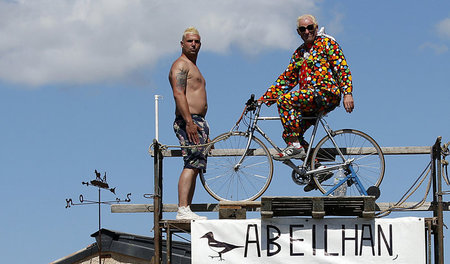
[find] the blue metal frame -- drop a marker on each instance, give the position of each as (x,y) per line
(351,176)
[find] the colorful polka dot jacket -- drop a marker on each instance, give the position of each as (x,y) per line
(322,67)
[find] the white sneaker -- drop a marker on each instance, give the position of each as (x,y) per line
(185,213)
(290,152)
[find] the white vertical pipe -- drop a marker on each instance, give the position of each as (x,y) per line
(157,116)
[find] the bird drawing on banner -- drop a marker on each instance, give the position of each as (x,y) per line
(218,246)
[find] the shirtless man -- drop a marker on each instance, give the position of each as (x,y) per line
(190,126)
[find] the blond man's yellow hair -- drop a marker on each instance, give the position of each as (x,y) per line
(190,30)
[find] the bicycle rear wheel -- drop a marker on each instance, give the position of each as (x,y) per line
(224,180)
(368,160)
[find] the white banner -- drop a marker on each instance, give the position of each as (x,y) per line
(303,240)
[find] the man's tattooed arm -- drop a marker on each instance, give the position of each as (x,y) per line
(182,80)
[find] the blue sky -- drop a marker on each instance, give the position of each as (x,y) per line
(78,79)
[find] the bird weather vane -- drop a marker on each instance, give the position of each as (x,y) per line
(101,184)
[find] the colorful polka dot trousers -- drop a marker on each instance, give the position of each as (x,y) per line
(294,105)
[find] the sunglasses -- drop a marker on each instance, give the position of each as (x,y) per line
(308,27)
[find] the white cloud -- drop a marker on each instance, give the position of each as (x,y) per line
(443,31)
(86,41)
(443,28)
(437,48)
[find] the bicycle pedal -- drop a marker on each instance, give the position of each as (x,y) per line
(323,176)
(310,186)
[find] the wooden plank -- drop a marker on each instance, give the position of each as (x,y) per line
(406,150)
(148,208)
(237,205)
(176,226)
(410,206)
(386,150)
(232,213)
(141,208)
(236,210)
(318,208)
(258,152)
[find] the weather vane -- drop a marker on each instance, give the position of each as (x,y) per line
(101,184)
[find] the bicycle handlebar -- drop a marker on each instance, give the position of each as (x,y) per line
(252,98)
(250,105)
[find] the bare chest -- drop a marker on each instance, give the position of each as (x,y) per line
(195,79)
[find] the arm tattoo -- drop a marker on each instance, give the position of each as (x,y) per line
(182,79)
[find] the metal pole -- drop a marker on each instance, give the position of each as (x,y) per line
(437,203)
(99,229)
(434,203)
(157,202)
(157,97)
(429,227)
(440,214)
(168,245)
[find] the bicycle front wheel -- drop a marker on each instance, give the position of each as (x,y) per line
(225,179)
(368,159)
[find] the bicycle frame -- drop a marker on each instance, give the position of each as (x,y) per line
(303,170)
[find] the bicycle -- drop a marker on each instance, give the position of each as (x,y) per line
(240,166)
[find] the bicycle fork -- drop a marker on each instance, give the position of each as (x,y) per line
(250,132)
(238,164)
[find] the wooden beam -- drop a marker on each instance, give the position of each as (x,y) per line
(405,207)
(258,152)
(405,150)
(255,206)
(249,205)
(149,208)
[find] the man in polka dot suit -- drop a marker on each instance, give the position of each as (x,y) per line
(320,69)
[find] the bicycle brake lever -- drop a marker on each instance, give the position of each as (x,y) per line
(251,103)
(251,100)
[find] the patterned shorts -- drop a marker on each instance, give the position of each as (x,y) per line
(193,157)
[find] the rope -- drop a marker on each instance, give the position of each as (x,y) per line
(402,200)
(444,163)
(165,147)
